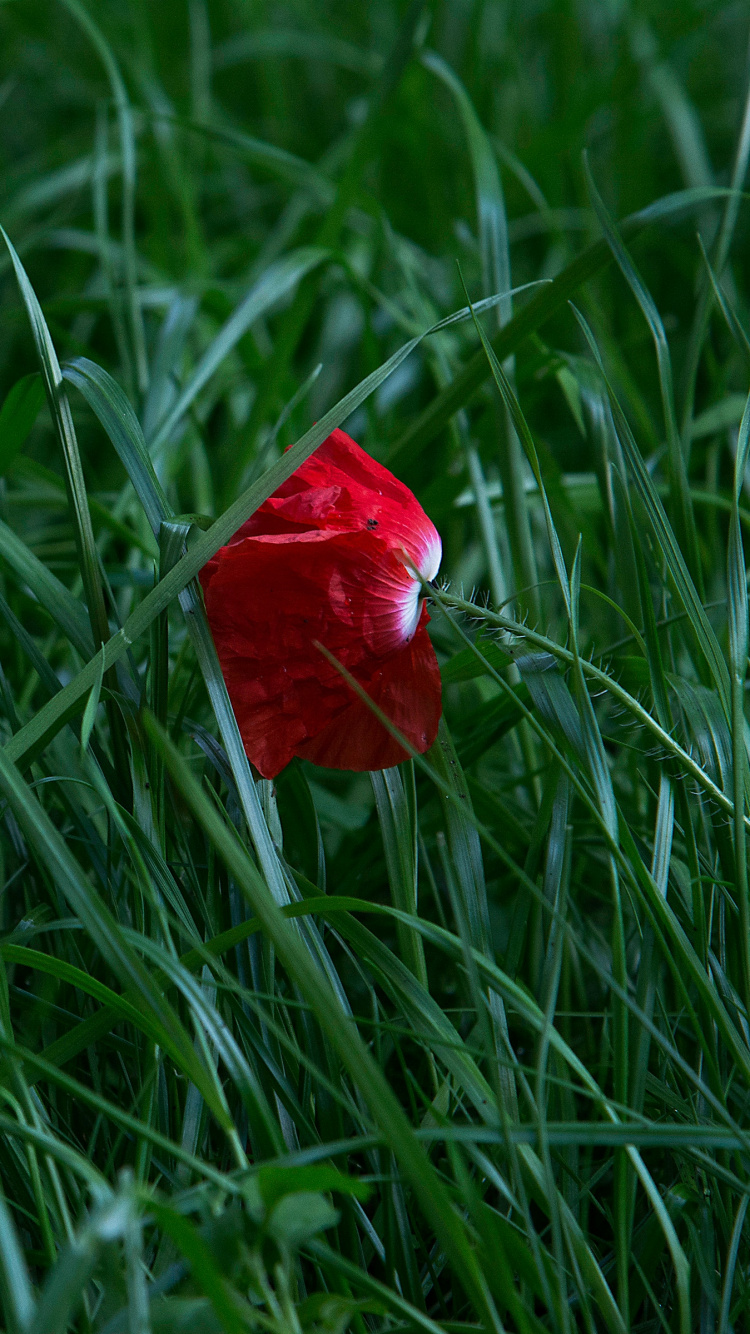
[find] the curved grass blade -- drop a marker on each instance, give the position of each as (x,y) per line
(277,161)
(105,397)
(63,421)
(66,611)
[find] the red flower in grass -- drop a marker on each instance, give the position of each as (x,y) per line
(330,557)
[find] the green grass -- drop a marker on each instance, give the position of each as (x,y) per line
(465,1045)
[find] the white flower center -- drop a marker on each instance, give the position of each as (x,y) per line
(410,601)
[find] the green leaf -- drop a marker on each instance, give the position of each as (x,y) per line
(466,665)
(297,1218)
(227,1305)
(277,1181)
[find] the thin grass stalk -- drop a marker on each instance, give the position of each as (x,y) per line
(398,844)
(738,649)
(679,487)
(496,277)
(129,179)
(719,259)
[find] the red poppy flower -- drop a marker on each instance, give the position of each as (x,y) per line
(330,557)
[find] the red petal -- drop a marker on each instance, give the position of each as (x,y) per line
(407,689)
(342,489)
(268,600)
(328,557)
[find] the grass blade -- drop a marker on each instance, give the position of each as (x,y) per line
(341,1032)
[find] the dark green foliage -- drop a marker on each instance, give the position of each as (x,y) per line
(464,1045)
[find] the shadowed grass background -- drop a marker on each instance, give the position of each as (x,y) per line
(465,1044)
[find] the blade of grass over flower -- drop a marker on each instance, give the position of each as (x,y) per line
(384,1107)
(48,721)
(123,428)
